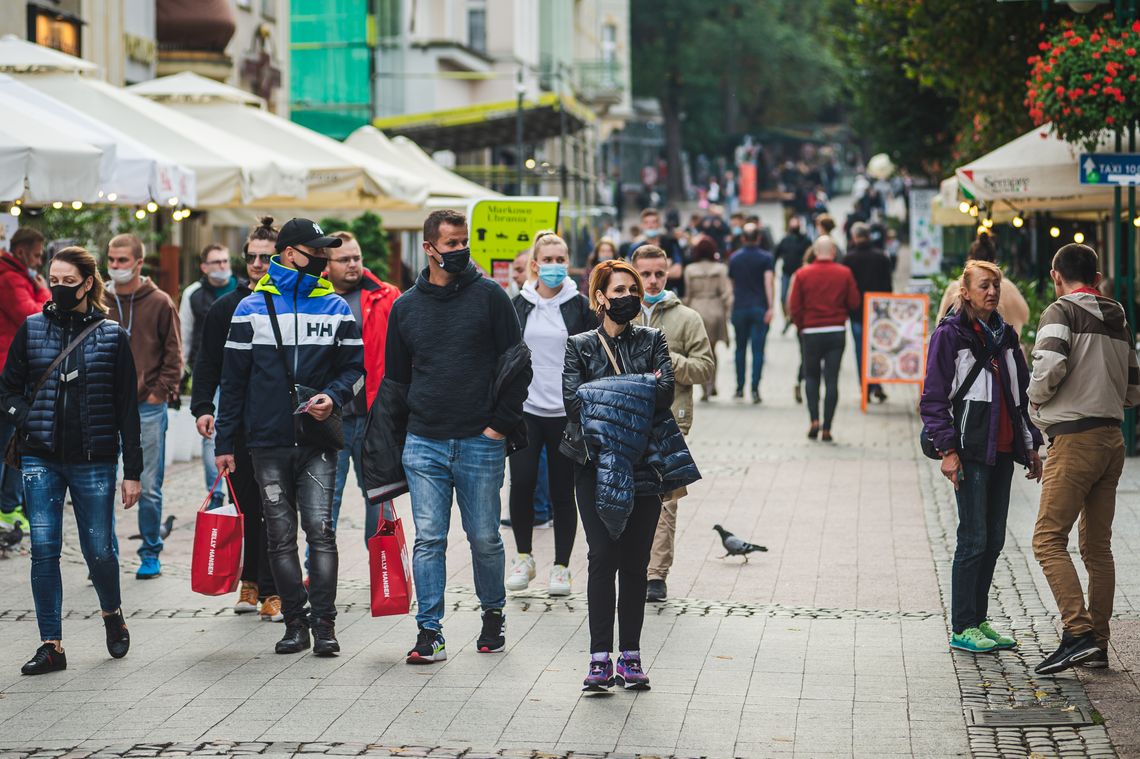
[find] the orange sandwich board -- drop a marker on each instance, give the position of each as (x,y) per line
(894,340)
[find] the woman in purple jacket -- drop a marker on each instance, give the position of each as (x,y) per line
(975,411)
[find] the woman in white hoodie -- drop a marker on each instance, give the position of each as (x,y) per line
(550,309)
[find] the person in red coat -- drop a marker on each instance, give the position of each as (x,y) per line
(23,292)
(823,293)
(371,301)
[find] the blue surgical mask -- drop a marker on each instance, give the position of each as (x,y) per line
(655,299)
(651,233)
(737,230)
(552,275)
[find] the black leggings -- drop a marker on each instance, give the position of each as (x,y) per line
(626,558)
(822,353)
(255,559)
(543,432)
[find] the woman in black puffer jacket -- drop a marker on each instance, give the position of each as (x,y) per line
(615,293)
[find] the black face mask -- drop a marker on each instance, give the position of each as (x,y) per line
(67,297)
(315,267)
(454,261)
(623,310)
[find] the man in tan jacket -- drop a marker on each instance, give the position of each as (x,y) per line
(1085,374)
(693,364)
(151,321)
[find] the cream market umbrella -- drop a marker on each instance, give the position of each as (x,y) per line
(131,173)
(44,162)
(20,56)
(339,177)
(228,169)
(407,155)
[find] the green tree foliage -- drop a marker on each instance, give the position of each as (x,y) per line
(723,69)
(92,227)
(369,231)
(937,82)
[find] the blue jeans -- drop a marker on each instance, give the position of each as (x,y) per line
(471,468)
(749,326)
(92,489)
(210,469)
(983,504)
(542,490)
(10,486)
(154,422)
(857,336)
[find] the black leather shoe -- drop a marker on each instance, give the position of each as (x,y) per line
(296,637)
(47,659)
(655,591)
(118,638)
(324,638)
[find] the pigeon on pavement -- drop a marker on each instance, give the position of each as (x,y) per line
(735,546)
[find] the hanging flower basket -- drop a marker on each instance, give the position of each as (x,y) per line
(1086,80)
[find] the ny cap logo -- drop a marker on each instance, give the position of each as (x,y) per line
(317,228)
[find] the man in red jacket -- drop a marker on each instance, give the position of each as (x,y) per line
(823,293)
(24,293)
(371,301)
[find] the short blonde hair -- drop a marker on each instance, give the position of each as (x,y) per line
(127,240)
(545,238)
(974,268)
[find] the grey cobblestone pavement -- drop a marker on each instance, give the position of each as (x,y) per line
(832,644)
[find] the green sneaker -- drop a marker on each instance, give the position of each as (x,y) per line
(973,640)
(1000,641)
(10,519)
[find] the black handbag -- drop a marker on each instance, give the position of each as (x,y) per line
(924,440)
(327,435)
(12,450)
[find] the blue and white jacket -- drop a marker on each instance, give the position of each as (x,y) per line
(321,341)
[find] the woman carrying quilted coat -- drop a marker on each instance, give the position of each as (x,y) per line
(617,388)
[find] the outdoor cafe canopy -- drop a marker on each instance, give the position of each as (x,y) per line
(337,176)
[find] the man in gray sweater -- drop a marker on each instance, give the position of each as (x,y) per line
(1085,374)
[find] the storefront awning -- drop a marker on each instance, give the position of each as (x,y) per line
(488,125)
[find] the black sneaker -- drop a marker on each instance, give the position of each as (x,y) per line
(655,591)
(118,639)
(491,639)
(739,394)
(296,637)
(755,396)
(1072,651)
(47,659)
(1099,660)
(429,648)
(324,638)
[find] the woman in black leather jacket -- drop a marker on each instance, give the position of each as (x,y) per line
(70,432)
(615,293)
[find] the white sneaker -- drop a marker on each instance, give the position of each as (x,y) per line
(559,581)
(522,572)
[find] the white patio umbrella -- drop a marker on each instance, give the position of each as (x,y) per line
(339,177)
(130,173)
(40,163)
(228,169)
(20,56)
(410,157)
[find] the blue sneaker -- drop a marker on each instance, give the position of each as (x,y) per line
(149,569)
(601,676)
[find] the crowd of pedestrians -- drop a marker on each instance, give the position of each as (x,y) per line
(306,365)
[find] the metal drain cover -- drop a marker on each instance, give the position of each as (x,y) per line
(1028,717)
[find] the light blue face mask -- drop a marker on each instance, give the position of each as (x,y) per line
(552,274)
(651,233)
(654,299)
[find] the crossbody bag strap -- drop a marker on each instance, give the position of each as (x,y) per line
(272,311)
(63,354)
(610,353)
(971,376)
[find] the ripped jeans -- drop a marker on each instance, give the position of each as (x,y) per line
(299,479)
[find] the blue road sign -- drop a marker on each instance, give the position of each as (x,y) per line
(1110,168)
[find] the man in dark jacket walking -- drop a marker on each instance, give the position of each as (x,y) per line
(293,330)
(256,577)
(456,376)
(872,269)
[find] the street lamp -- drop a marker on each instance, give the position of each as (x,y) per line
(520,90)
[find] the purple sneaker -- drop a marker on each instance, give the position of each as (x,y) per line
(601,676)
(629,673)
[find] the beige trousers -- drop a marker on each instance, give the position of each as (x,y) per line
(661,557)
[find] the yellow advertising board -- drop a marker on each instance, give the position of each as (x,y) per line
(501,228)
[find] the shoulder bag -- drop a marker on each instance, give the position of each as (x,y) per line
(327,435)
(12,451)
(924,440)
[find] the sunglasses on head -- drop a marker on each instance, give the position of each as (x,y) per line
(262,257)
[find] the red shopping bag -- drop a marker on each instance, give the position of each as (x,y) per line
(215,566)
(389,566)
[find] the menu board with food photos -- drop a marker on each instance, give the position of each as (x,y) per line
(894,339)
